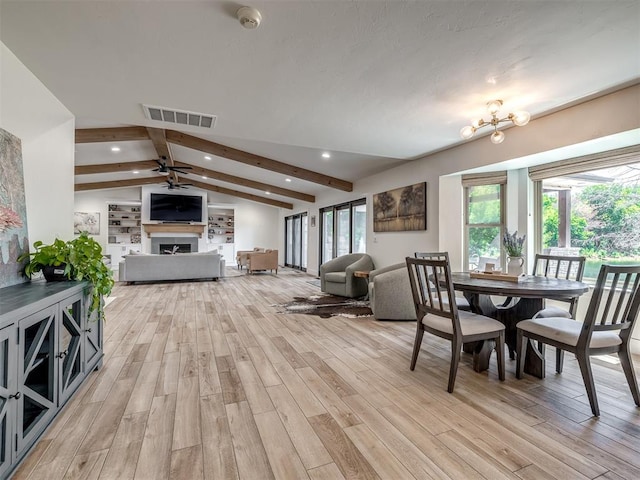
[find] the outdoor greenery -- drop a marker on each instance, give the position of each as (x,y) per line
(605,220)
(484,211)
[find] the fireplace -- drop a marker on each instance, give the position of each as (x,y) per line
(171,248)
(164,245)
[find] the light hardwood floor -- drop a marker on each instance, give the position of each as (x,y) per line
(207,380)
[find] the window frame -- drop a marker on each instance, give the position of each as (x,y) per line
(295,236)
(335,208)
(501,224)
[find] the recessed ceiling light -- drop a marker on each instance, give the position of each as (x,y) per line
(115,149)
(326,155)
(136,172)
(287,179)
(207,157)
(204,178)
(267,193)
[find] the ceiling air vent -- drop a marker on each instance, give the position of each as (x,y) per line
(179,117)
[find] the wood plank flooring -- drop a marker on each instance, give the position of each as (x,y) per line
(206,380)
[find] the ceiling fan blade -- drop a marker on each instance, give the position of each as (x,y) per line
(179,171)
(185,167)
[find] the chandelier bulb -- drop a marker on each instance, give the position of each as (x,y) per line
(467,132)
(494,106)
(520,118)
(497,137)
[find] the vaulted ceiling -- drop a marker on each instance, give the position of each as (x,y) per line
(372,83)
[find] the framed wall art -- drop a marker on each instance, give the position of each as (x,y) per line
(86,222)
(13,211)
(401,210)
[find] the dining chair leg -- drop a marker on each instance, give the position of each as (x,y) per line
(500,355)
(521,343)
(559,359)
(416,345)
(587,377)
(627,367)
(453,369)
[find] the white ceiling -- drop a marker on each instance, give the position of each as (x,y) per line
(373,82)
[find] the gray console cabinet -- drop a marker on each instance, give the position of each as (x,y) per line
(48,346)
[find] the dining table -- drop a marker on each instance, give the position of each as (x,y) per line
(521,300)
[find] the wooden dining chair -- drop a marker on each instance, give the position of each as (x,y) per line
(567,267)
(461,302)
(557,266)
(607,327)
(437,313)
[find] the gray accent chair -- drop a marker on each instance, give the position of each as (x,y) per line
(336,276)
(390,293)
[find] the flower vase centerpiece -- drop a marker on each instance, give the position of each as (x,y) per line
(513,245)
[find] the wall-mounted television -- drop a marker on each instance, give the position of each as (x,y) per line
(175,208)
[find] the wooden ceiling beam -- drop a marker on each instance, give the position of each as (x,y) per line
(265,187)
(159,138)
(117,134)
(134,182)
(115,167)
(212,174)
(236,193)
(137,182)
(253,160)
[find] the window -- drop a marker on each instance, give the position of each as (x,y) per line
(484,219)
(343,229)
(594,213)
(296,231)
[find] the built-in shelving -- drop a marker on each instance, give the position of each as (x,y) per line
(124,224)
(221,226)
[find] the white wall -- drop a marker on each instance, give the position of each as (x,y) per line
(47,131)
(257,225)
(99,200)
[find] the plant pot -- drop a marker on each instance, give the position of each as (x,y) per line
(55,274)
(515,265)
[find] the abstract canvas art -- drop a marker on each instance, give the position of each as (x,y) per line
(86,222)
(401,210)
(13,211)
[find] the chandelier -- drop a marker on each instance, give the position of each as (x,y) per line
(493,107)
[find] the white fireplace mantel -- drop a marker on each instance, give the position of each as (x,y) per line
(150,228)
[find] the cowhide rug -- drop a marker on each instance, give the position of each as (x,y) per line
(326,306)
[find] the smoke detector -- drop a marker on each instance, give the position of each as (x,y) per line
(249,17)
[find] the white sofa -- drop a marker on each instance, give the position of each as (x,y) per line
(182,266)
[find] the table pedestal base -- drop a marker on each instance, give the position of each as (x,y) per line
(509,315)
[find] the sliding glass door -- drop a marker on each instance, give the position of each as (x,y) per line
(343,229)
(296,231)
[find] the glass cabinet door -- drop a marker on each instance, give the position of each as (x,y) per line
(8,396)
(70,361)
(36,377)
(92,339)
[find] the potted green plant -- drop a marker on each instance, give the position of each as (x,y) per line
(77,259)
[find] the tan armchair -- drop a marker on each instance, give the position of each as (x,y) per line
(267,260)
(242,256)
